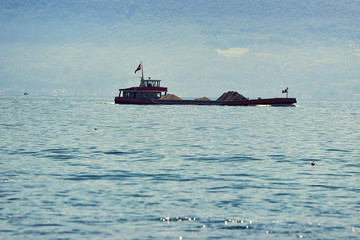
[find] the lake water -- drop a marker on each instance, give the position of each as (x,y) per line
(85,168)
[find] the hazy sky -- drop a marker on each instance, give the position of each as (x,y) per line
(197,48)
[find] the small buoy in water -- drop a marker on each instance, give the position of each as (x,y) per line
(95,128)
(313,163)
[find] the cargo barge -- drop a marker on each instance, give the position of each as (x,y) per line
(150,92)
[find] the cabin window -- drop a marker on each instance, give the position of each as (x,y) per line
(152,83)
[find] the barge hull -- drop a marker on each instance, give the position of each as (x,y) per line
(252,102)
(265,101)
(122,100)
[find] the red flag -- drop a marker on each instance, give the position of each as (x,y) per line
(138,68)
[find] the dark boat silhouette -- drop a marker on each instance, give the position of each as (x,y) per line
(150,92)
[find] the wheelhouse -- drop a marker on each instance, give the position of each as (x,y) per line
(147,90)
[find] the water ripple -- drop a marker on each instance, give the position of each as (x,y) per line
(125,175)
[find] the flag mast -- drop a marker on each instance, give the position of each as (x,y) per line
(142,72)
(286,91)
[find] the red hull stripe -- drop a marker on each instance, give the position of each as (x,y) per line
(146,89)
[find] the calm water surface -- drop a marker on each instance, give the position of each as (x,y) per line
(76,168)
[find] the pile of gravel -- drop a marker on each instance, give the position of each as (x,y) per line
(231,96)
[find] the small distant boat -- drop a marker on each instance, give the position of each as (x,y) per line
(150,92)
(26,93)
